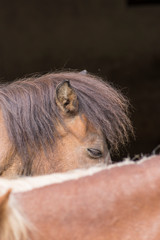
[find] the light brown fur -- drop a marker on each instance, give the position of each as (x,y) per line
(70,150)
(119,203)
(9,160)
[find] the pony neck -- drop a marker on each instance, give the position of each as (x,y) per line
(119,202)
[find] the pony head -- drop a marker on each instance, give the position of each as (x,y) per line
(60,121)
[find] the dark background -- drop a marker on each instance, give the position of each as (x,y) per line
(112,38)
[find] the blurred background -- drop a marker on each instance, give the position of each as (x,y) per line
(118,40)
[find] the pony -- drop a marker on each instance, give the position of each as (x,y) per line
(118,202)
(60,121)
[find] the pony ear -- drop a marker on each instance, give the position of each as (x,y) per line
(66,98)
(4,200)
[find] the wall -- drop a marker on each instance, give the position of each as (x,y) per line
(109,38)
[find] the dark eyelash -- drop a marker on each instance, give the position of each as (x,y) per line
(94,153)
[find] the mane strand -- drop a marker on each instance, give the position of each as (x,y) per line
(13,223)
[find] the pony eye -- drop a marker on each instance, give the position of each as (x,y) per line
(94,153)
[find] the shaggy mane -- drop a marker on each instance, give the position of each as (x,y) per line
(30,112)
(13,223)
